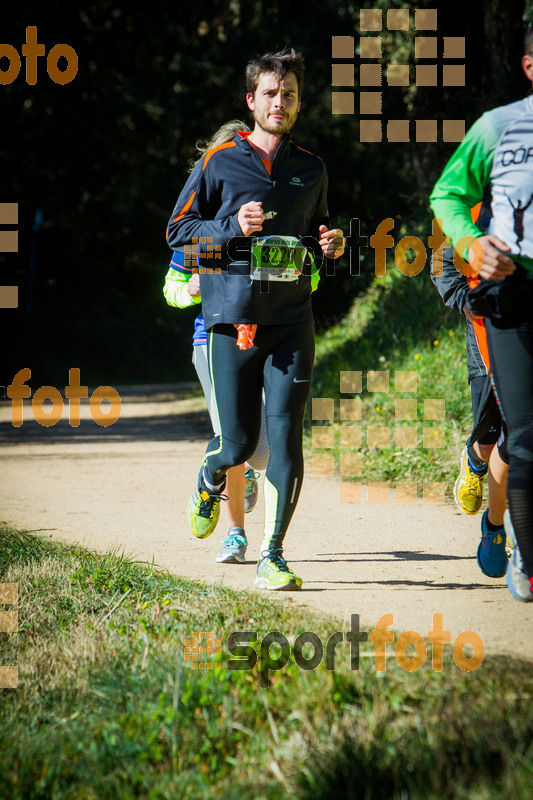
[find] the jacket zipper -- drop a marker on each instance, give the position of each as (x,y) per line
(263,168)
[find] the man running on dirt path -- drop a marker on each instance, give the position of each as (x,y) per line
(260,178)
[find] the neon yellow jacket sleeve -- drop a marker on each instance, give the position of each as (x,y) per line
(315,274)
(175,289)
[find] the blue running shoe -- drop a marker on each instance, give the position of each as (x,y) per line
(491,555)
(517,581)
(251,490)
(233,547)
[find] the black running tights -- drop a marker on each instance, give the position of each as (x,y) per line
(511,360)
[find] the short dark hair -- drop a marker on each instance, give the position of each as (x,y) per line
(528,42)
(287,60)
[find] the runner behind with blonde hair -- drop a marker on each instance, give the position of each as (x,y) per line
(226,133)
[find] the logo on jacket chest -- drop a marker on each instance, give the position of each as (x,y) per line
(296,182)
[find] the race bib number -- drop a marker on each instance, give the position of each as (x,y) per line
(277,258)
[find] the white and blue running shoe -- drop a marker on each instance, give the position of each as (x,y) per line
(233,547)
(517,581)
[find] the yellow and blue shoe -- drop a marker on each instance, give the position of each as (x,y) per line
(491,554)
(203,509)
(273,573)
(468,490)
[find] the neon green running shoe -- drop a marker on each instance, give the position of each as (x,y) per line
(203,510)
(468,490)
(273,573)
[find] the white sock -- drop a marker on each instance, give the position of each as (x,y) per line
(210,485)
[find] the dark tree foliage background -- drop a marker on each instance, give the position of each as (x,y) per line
(105,157)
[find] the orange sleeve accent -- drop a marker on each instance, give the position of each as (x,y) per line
(478,324)
(215,150)
(475,212)
(481,336)
(307,151)
(185,208)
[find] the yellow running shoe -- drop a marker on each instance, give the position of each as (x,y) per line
(468,490)
(203,509)
(273,573)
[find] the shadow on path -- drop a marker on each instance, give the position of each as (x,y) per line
(398,555)
(402,583)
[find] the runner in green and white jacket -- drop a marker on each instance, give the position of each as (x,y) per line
(497,152)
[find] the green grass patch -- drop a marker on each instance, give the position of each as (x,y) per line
(398,325)
(107,707)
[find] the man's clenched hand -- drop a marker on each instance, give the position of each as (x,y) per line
(250,217)
(496,265)
(332,242)
(193,286)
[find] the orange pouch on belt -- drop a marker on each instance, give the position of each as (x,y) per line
(245,339)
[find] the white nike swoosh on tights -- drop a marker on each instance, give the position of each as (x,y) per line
(300,380)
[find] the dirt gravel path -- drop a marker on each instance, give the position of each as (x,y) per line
(128,485)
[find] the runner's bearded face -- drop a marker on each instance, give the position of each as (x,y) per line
(275,104)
